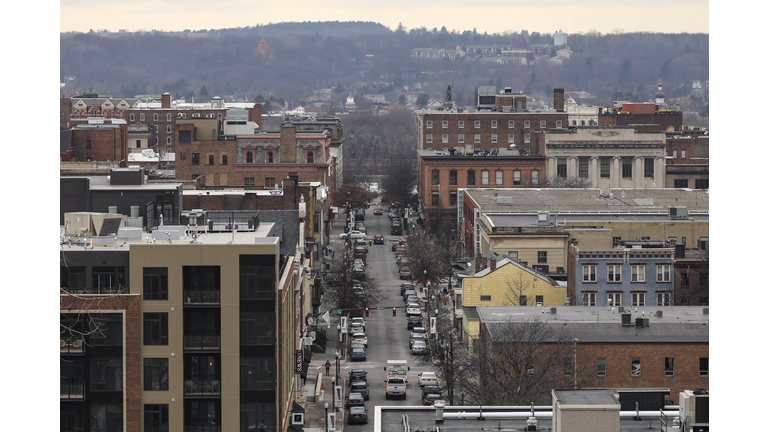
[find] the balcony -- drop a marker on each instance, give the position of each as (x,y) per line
(72,390)
(202,387)
(207,428)
(204,343)
(71,346)
(202,297)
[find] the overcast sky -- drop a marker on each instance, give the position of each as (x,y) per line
(544,16)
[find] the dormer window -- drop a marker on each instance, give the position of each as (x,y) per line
(310,157)
(270,157)
(249,157)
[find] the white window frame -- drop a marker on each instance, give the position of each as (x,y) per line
(589,299)
(589,273)
(516,178)
(154,117)
(168,117)
(663,272)
(485,177)
(511,138)
(494,123)
(511,124)
(461,138)
(614,299)
(445,124)
(527,124)
(141,117)
(477,138)
(494,139)
(445,138)
(535,177)
(429,124)
(614,273)
(559,124)
(461,124)
(477,124)
(132,117)
(429,138)
(168,129)
(663,299)
(499,178)
(543,124)
(638,299)
(638,273)
(527,138)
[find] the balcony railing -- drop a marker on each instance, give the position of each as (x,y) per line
(72,390)
(202,342)
(202,387)
(71,346)
(202,428)
(193,297)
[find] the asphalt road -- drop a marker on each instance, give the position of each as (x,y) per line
(387,334)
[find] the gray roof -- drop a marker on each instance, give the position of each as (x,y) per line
(573,220)
(501,262)
(587,397)
(589,200)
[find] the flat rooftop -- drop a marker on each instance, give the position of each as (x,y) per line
(582,221)
(590,200)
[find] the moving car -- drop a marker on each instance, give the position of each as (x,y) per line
(355,399)
(377,212)
(357,375)
(427,379)
(354,234)
(378,239)
(357,354)
(430,390)
(419,347)
(360,387)
(357,415)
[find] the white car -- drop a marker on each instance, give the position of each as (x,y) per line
(354,234)
(360,337)
(413,309)
(358,320)
(427,378)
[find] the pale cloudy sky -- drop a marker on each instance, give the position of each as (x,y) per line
(572,16)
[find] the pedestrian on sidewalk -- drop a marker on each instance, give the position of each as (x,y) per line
(327,367)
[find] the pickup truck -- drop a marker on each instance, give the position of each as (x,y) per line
(395,387)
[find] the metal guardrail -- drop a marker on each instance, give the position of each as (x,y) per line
(192,297)
(72,390)
(71,346)
(202,387)
(202,342)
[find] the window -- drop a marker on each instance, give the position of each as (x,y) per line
(662,273)
(539,300)
(452,178)
(138,143)
(638,273)
(601,366)
(616,241)
(168,128)
(511,138)
(614,273)
(522,300)
(155,283)
(682,154)
(527,138)
(461,138)
(648,171)
(445,138)
(527,124)
(485,298)
(477,124)
(494,138)
(452,198)
(559,124)
(681,183)
(702,184)
(445,124)
(435,198)
(106,418)
(674,154)
(72,278)
(583,167)
(626,168)
(638,299)
(155,417)
(168,117)
(310,157)
(461,124)
(269,182)
(588,299)
(156,374)
(493,124)
(88,144)
(484,178)
(435,177)
(106,374)
(154,117)
(605,168)
(429,138)
(511,124)
(614,299)
(477,138)
(155,328)
(543,124)
(258,373)
(635,370)
(703,367)
(534,177)
(663,299)
(529,366)
(270,157)
(562,168)
(429,124)
(257,328)
(248,157)
(132,118)
(141,117)
(516,178)
(542,256)
(669,367)
(168,141)
(256,282)
(210,160)
(196,158)
(224,159)
(470,178)
(250,181)
(499,178)
(590,273)
(108,279)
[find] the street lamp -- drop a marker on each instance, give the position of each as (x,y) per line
(326,416)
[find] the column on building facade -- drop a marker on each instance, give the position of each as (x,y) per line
(594,171)
(616,172)
(639,172)
(551,168)
(659,172)
(572,167)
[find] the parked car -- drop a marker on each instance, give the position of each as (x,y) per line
(360,215)
(361,243)
(414,321)
(357,375)
(355,399)
(407,293)
(358,320)
(405,273)
(421,330)
(430,398)
(357,415)
(412,299)
(396,229)
(415,337)
(427,378)
(355,344)
(357,354)
(413,309)
(360,227)
(419,347)
(378,239)
(354,234)
(360,337)
(377,212)
(356,328)
(406,286)
(360,387)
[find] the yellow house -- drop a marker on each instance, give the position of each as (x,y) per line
(506,283)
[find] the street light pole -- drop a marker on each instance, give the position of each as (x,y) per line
(326,416)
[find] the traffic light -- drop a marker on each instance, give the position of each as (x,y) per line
(394,311)
(366,311)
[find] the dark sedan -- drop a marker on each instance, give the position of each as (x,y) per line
(357,415)
(355,399)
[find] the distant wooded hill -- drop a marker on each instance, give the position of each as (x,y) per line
(345,56)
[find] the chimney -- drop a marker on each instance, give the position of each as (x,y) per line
(480,262)
(165,100)
(493,263)
(559,99)
(626,319)
(254,114)
(288,143)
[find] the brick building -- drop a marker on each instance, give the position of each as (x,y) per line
(687,161)
(99,141)
(638,114)
(652,347)
(65,110)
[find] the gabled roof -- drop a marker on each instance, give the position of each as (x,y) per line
(506,261)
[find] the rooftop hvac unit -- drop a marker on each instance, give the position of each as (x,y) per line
(503,200)
(678,212)
(92,224)
(694,410)
(542,217)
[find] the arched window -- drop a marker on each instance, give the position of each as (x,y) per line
(574,123)
(310,157)
(582,123)
(249,157)
(270,157)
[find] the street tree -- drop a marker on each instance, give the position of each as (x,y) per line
(520,362)
(426,258)
(400,181)
(356,194)
(344,289)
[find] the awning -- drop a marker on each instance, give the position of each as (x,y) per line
(297,408)
(295,428)
(307,355)
(305,369)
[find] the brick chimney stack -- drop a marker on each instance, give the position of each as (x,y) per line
(254,114)
(480,262)
(559,99)
(165,100)
(493,263)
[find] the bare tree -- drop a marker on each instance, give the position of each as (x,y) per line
(346,290)
(518,288)
(426,258)
(568,182)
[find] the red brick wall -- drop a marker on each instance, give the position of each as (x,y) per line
(108,144)
(664,120)
(185,170)
(695,147)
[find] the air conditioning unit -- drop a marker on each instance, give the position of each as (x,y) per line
(678,212)
(694,410)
